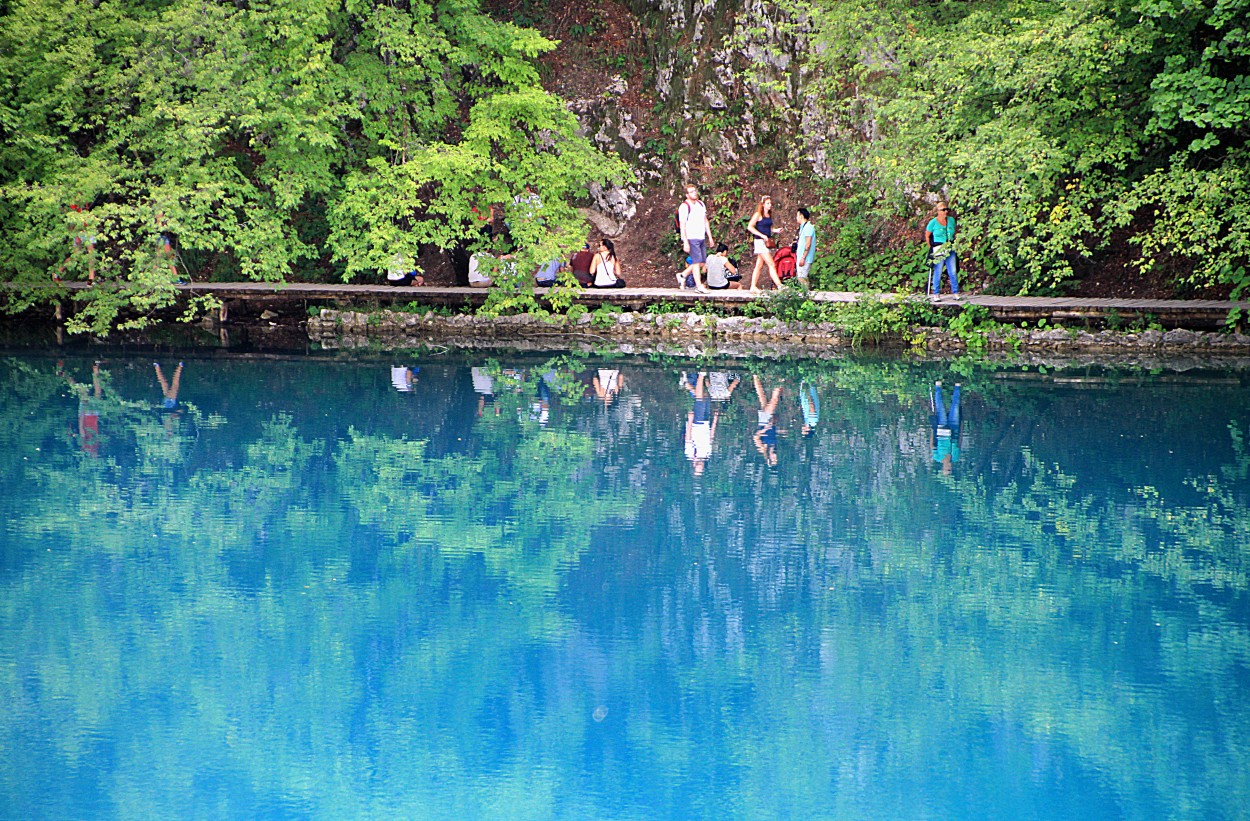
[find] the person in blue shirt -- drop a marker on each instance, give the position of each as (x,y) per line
(940,234)
(546,276)
(805,247)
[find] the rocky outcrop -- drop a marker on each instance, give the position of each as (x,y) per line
(729,77)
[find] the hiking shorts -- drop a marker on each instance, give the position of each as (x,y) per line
(698,251)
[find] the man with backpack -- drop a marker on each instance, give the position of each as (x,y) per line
(695,232)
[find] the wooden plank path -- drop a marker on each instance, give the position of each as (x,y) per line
(1188,312)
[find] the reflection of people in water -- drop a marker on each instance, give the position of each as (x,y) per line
(403,378)
(607,384)
(945,428)
(809,404)
(90,397)
(700,422)
(484,387)
(540,410)
(169,392)
(765,437)
(721,384)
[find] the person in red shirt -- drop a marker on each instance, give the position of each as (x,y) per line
(580,265)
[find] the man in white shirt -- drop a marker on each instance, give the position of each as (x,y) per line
(696,233)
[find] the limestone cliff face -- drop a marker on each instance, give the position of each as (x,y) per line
(731,77)
(733,71)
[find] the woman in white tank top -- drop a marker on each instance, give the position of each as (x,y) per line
(607,267)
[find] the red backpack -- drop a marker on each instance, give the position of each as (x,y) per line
(787,265)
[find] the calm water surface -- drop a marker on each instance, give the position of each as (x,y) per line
(520,587)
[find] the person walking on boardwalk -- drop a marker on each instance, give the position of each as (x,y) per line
(696,232)
(721,273)
(940,234)
(761,228)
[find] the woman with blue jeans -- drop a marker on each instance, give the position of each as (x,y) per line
(939,232)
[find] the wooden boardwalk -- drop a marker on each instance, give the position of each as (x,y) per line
(1168,312)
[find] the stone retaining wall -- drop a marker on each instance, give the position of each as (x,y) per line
(353,329)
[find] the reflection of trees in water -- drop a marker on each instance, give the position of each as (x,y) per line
(852,558)
(773,634)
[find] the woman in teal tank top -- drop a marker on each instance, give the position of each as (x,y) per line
(940,234)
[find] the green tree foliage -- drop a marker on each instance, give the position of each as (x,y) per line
(270,138)
(1053,125)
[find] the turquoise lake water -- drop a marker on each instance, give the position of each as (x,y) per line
(473,586)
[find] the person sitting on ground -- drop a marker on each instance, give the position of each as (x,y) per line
(84,241)
(479,266)
(688,277)
(722,274)
(546,276)
(580,265)
(607,267)
(164,245)
(399,272)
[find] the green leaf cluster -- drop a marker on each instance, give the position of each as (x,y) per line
(272,140)
(1053,128)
